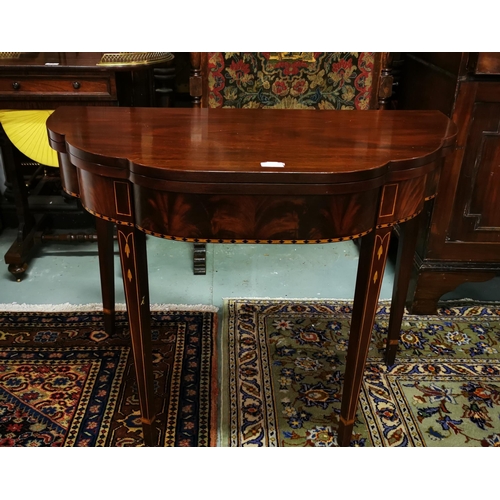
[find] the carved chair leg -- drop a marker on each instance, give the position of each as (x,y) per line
(196,79)
(386,81)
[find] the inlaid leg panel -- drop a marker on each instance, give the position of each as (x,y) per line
(372,260)
(132,243)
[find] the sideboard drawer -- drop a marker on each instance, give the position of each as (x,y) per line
(488,63)
(13,86)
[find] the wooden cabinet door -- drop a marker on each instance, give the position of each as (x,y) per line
(476,212)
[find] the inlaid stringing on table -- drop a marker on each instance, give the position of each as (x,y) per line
(198,175)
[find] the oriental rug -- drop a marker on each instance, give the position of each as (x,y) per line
(284,366)
(65,382)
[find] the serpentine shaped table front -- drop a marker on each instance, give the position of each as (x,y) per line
(253,176)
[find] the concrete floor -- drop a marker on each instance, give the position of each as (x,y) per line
(68,273)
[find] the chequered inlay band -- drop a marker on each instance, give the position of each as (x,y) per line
(250,241)
(72,194)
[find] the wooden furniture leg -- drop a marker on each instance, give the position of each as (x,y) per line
(133,259)
(404,265)
(18,254)
(372,259)
(107,271)
(429,285)
(200,258)
(196,92)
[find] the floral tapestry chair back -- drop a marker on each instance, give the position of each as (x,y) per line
(295,80)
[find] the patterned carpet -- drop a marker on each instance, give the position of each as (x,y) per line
(65,382)
(284,363)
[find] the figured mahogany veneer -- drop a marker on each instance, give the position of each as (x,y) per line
(196,175)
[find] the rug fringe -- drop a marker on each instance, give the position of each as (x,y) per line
(298,299)
(67,307)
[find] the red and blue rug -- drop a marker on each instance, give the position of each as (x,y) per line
(65,382)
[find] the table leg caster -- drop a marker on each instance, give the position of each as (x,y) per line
(18,270)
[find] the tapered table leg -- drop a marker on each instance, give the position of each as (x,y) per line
(372,259)
(404,265)
(107,271)
(132,244)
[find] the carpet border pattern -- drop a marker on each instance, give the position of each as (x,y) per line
(248,412)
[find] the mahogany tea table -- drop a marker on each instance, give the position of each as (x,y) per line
(253,176)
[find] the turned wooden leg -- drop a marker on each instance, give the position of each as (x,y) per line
(404,266)
(372,259)
(107,271)
(200,258)
(132,244)
(20,251)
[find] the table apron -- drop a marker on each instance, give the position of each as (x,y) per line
(252,218)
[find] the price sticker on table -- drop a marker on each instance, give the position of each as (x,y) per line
(278,164)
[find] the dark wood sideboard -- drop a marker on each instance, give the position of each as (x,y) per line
(47,80)
(459,239)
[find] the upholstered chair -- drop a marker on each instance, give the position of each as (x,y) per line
(297,80)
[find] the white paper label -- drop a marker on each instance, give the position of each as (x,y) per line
(279,164)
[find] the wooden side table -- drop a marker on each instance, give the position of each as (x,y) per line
(256,176)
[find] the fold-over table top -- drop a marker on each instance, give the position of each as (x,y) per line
(249,145)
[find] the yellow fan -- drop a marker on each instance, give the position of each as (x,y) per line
(27,131)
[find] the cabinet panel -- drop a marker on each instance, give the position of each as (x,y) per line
(486,184)
(459,239)
(488,63)
(426,86)
(446,62)
(476,217)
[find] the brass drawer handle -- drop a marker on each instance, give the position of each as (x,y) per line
(76,85)
(16,85)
